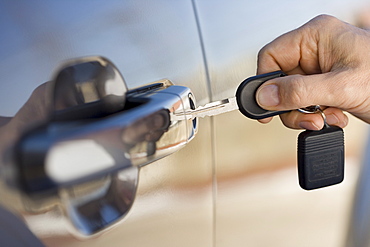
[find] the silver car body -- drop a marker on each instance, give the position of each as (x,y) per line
(234,183)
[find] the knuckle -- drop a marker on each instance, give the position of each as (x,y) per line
(325,20)
(262,53)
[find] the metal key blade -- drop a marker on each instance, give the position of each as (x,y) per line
(215,108)
(211,109)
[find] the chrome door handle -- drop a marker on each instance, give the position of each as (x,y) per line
(80,144)
(89,153)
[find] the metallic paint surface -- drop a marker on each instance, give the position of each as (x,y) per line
(186,199)
(147,41)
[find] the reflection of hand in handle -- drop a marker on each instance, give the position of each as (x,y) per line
(148,129)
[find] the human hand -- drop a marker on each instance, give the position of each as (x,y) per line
(328,64)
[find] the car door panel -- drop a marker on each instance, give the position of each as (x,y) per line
(147,41)
(233,184)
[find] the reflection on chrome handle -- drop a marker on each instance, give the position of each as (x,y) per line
(69,161)
(88,87)
(67,153)
(95,206)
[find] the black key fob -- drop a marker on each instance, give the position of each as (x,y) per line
(320,153)
(246,96)
(320,157)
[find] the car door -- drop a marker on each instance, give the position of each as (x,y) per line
(147,42)
(231,185)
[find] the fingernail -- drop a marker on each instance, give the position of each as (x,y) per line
(268,96)
(308,125)
(332,119)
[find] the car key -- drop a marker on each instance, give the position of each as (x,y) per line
(320,156)
(244,100)
(210,109)
(320,153)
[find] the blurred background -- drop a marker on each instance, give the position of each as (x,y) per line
(259,202)
(236,183)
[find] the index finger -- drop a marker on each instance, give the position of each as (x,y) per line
(295,52)
(283,53)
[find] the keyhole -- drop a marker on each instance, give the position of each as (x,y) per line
(192,106)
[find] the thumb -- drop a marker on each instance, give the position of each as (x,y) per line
(297,91)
